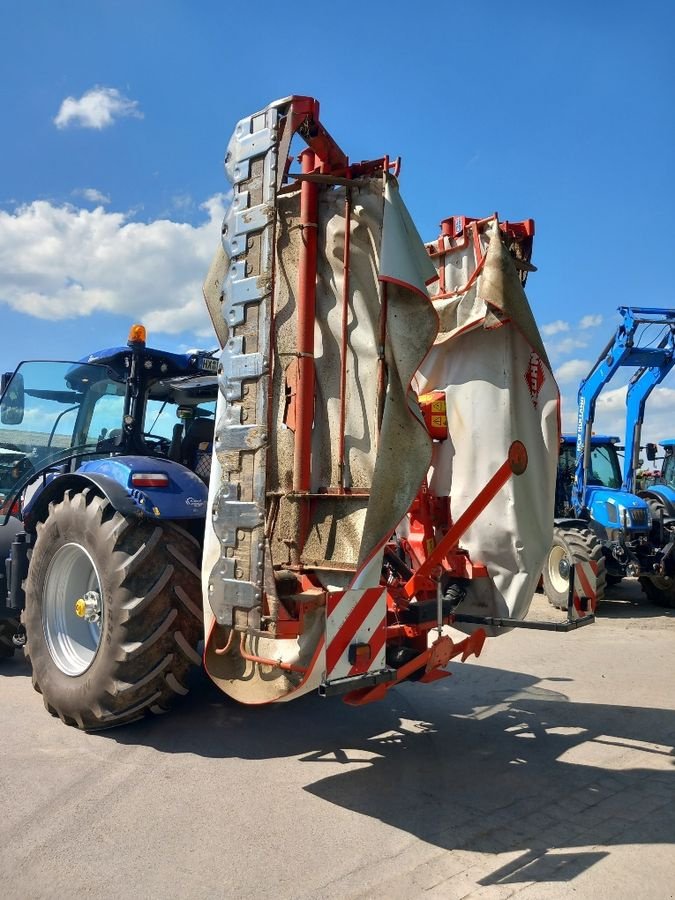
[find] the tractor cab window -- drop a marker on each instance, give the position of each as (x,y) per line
(160,418)
(605,469)
(106,402)
(45,413)
(668,471)
(179,419)
(565,479)
(182,432)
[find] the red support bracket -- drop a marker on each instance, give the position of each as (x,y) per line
(304,118)
(438,655)
(515,464)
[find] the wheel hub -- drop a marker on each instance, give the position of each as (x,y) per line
(73,609)
(89,607)
(558,566)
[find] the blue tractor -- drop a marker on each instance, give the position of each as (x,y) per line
(104,467)
(601,524)
(660,495)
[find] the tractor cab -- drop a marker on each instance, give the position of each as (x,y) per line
(130,401)
(613,514)
(657,486)
(668,468)
(591,495)
(605,469)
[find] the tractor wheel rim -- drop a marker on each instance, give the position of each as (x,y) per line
(663,582)
(558,569)
(71,623)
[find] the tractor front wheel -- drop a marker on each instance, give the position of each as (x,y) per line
(659,590)
(571,545)
(112,612)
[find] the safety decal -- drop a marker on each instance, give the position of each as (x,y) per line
(585,586)
(535,377)
(356,630)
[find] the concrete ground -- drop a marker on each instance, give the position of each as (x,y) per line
(543,769)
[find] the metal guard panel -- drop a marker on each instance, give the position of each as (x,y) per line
(238,506)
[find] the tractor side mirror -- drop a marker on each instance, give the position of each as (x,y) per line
(12,404)
(651,452)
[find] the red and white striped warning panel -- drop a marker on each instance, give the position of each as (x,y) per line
(585,586)
(356,630)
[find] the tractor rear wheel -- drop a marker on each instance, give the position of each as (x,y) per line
(112,612)
(8,628)
(659,590)
(571,545)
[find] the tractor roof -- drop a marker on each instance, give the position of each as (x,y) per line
(176,363)
(595,439)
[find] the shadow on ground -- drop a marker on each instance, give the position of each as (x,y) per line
(626,600)
(492,761)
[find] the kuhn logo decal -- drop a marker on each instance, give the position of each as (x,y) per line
(535,377)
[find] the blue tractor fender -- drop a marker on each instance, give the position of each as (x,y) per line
(174,493)
(570,523)
(663,494)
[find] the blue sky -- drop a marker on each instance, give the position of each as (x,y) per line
(560,112)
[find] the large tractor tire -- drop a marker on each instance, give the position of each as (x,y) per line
(659,590)
(8,628)
(656,507)
(571,545)
(112,612)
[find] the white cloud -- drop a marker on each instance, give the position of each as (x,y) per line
(98,108)
(572,370)
(182,202)
(92,195)
(610,414)
(659,415)
(663,398)
(612,401)
(568,409)
(556,349)
(590,321)
(554,328)
(64,262)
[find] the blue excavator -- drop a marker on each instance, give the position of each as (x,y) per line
(603,526)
